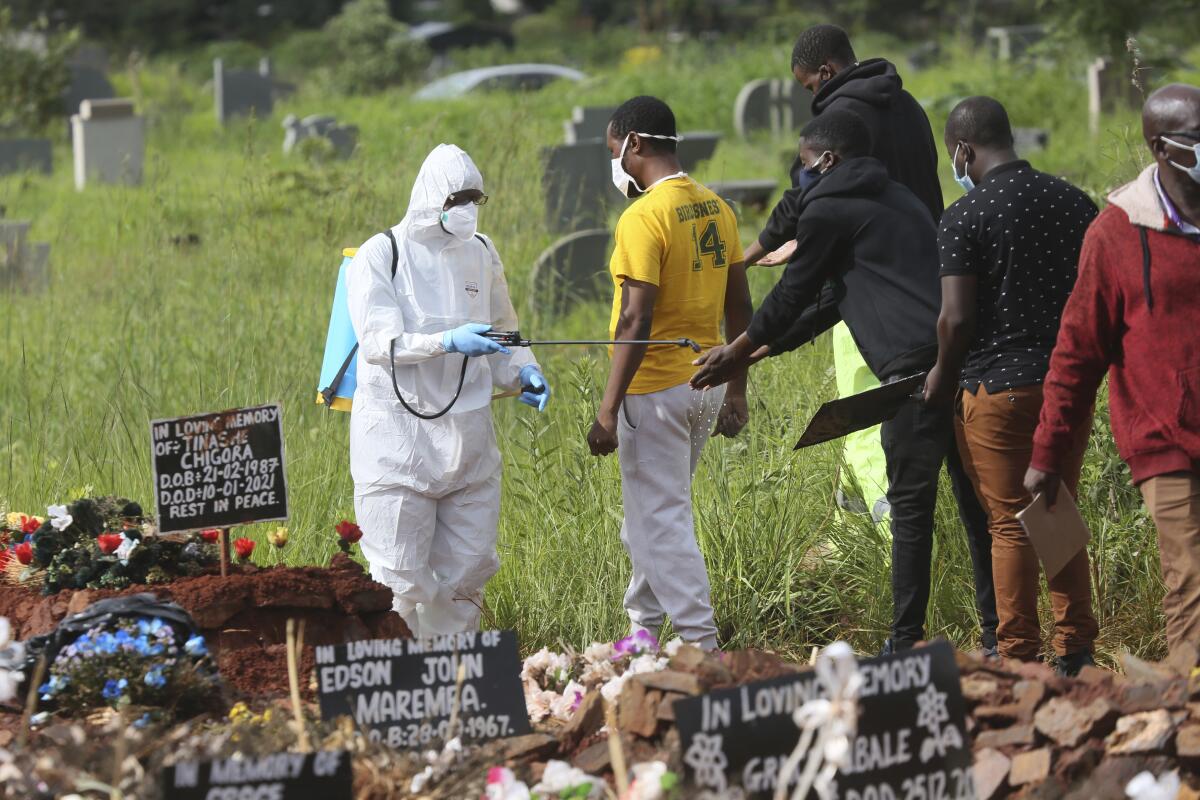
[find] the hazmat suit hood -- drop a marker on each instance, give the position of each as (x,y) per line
(446,170)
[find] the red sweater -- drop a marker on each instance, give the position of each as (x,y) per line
(1135,313)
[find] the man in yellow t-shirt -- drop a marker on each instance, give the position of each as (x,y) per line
(677,271)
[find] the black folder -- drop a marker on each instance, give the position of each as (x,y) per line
(843,416)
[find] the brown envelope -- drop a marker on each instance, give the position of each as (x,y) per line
(1056,535)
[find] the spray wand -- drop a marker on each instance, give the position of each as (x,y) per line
(514,339)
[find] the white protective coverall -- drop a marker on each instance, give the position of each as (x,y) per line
(427,492)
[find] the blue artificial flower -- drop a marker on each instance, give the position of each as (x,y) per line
(141,646)
(195,647)
(155,624)
(114,689)
(143,720)
(106,643)
(45,689)
(123,637)
(155,678)
(143,626)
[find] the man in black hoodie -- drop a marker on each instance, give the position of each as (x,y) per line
(872,241)
(824,62)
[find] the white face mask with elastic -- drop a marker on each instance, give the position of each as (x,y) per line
(624,182)
(461,221)
(1192,171)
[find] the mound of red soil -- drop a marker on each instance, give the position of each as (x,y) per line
(244,615)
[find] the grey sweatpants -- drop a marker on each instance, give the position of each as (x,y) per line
(661,436)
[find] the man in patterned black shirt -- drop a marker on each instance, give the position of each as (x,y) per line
(1009,250)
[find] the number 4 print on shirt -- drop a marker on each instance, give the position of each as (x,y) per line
(708,243)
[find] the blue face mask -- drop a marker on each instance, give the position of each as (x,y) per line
(963,180)
(810,175)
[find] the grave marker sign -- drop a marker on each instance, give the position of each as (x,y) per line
(219,470)
(278,776)
(911,736)
(402,691)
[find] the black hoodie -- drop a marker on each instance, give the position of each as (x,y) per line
(873,241)
(900,134)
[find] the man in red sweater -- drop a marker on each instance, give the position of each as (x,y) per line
(1135,313)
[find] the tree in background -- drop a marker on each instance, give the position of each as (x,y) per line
(32,77)
(369,50)
(1105,25)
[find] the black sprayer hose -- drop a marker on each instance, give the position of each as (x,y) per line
(462,377)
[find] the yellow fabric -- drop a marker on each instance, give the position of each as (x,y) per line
(338,404)
(861,450)
(349,252)
(682,238)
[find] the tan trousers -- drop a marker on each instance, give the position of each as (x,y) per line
(995,436)
(1174,504)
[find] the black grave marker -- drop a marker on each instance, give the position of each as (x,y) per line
(402,690)
(219,470)
(279,776)
(911,739)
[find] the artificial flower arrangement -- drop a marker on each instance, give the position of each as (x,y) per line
(133,662)
(102,542)
(555,683)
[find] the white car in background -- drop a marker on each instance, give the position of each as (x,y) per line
(505,78)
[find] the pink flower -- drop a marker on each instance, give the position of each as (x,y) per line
(635,645)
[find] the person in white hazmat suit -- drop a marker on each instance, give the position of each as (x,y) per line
(427,491)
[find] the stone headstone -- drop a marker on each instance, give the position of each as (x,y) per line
(587,122)
(20,155)
(1009,42)
(90,55)
(86,83)
(696,147)
(109,143)
(23,264)
(343,138)
(573,269)
(239,92)
(1030,140)
(577,185)
(925,55)
(1110,89)
(755,194)
(777,105)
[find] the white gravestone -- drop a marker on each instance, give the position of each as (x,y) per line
(109,142)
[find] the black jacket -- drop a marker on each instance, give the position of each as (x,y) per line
(872,240)
(900,134)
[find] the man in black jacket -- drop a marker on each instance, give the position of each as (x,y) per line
(824,62)
(874,242)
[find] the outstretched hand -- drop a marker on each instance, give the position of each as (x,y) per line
(777,257)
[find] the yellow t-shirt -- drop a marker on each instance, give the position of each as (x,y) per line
(682,238)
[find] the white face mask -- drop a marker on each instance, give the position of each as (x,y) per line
(461,221)
(1192,171)
(624,182)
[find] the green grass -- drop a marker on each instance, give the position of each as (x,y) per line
(137,327)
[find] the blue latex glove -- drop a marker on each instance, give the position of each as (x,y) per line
(465,339)
(535,391)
